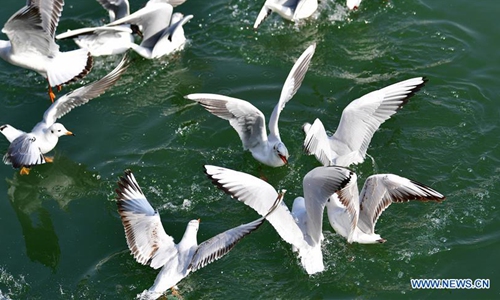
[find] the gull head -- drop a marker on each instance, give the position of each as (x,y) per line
(306,126)
(353,4)
(282,152)
(58,130)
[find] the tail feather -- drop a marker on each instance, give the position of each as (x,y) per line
(69,66)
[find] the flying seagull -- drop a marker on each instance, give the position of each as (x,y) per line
(359,121)
(28,149)
(151,245)
(302,228)
(354,215)
(249,122)
(31,44)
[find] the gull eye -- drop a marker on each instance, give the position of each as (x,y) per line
(59,130)
(52,131)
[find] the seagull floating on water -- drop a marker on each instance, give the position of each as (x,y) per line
(359,121)
(31,44)
(151,245)
(355,215)
(28,149)
(293,10)
(249,122)
(302,228)
(162,31)
(104,40)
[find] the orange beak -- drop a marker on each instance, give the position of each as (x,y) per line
(70,133)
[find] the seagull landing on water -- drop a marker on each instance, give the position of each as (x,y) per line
(293,10)
(28,149)
(355,215)
(249,122)
(31,45)
(302,228)
(162,31)
(359,121)
(151,245)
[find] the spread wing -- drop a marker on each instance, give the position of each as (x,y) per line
(381,190)
(146,238)
(84,94)
(319,184)
(292,84)
(317,142)
(348,199)
(363,116)
(221,244)
(24,152)
(245,118)
(260,196)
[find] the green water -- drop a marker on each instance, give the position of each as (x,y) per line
(61,236)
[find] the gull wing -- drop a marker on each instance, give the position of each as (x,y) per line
(146,237)
(83,94)
(153,20)
(117,8)
(23,152)
(317,142)
(305,8)
(348,199)
(50,12)
(263,14)
(381,190)
(28,32)
(91,30)
(221,244)
(292,84)
(319,184)
(245,118)
(260,196)
(363,116)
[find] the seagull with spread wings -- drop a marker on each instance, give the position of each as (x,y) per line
(28,149)
(293,10)
(249,122)
(31,44)
(302,228)
(354,215)
(151,245)
(359,121)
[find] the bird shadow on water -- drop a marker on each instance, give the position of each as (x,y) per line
(29,196)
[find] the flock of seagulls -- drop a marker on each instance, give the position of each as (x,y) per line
(353,215)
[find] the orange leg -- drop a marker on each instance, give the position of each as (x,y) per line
(48,159)
(52,96)
(175,293)
(24,171)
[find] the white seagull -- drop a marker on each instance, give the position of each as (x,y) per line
(249,122)
(302,228)
(28,149)
(359,121)
(105,40)
(355,215)
(31,44)
(353,4)
(151,245)
(293,10)
(162,31)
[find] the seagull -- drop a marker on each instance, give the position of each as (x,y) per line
(293,10)
(302,228)
(105,40)
(151,245)
(355,215)
(31,44)
(162,31)
(28,149)
(249,122)
(359,121)
(353,4)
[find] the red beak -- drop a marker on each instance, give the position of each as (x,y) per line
(283,158)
